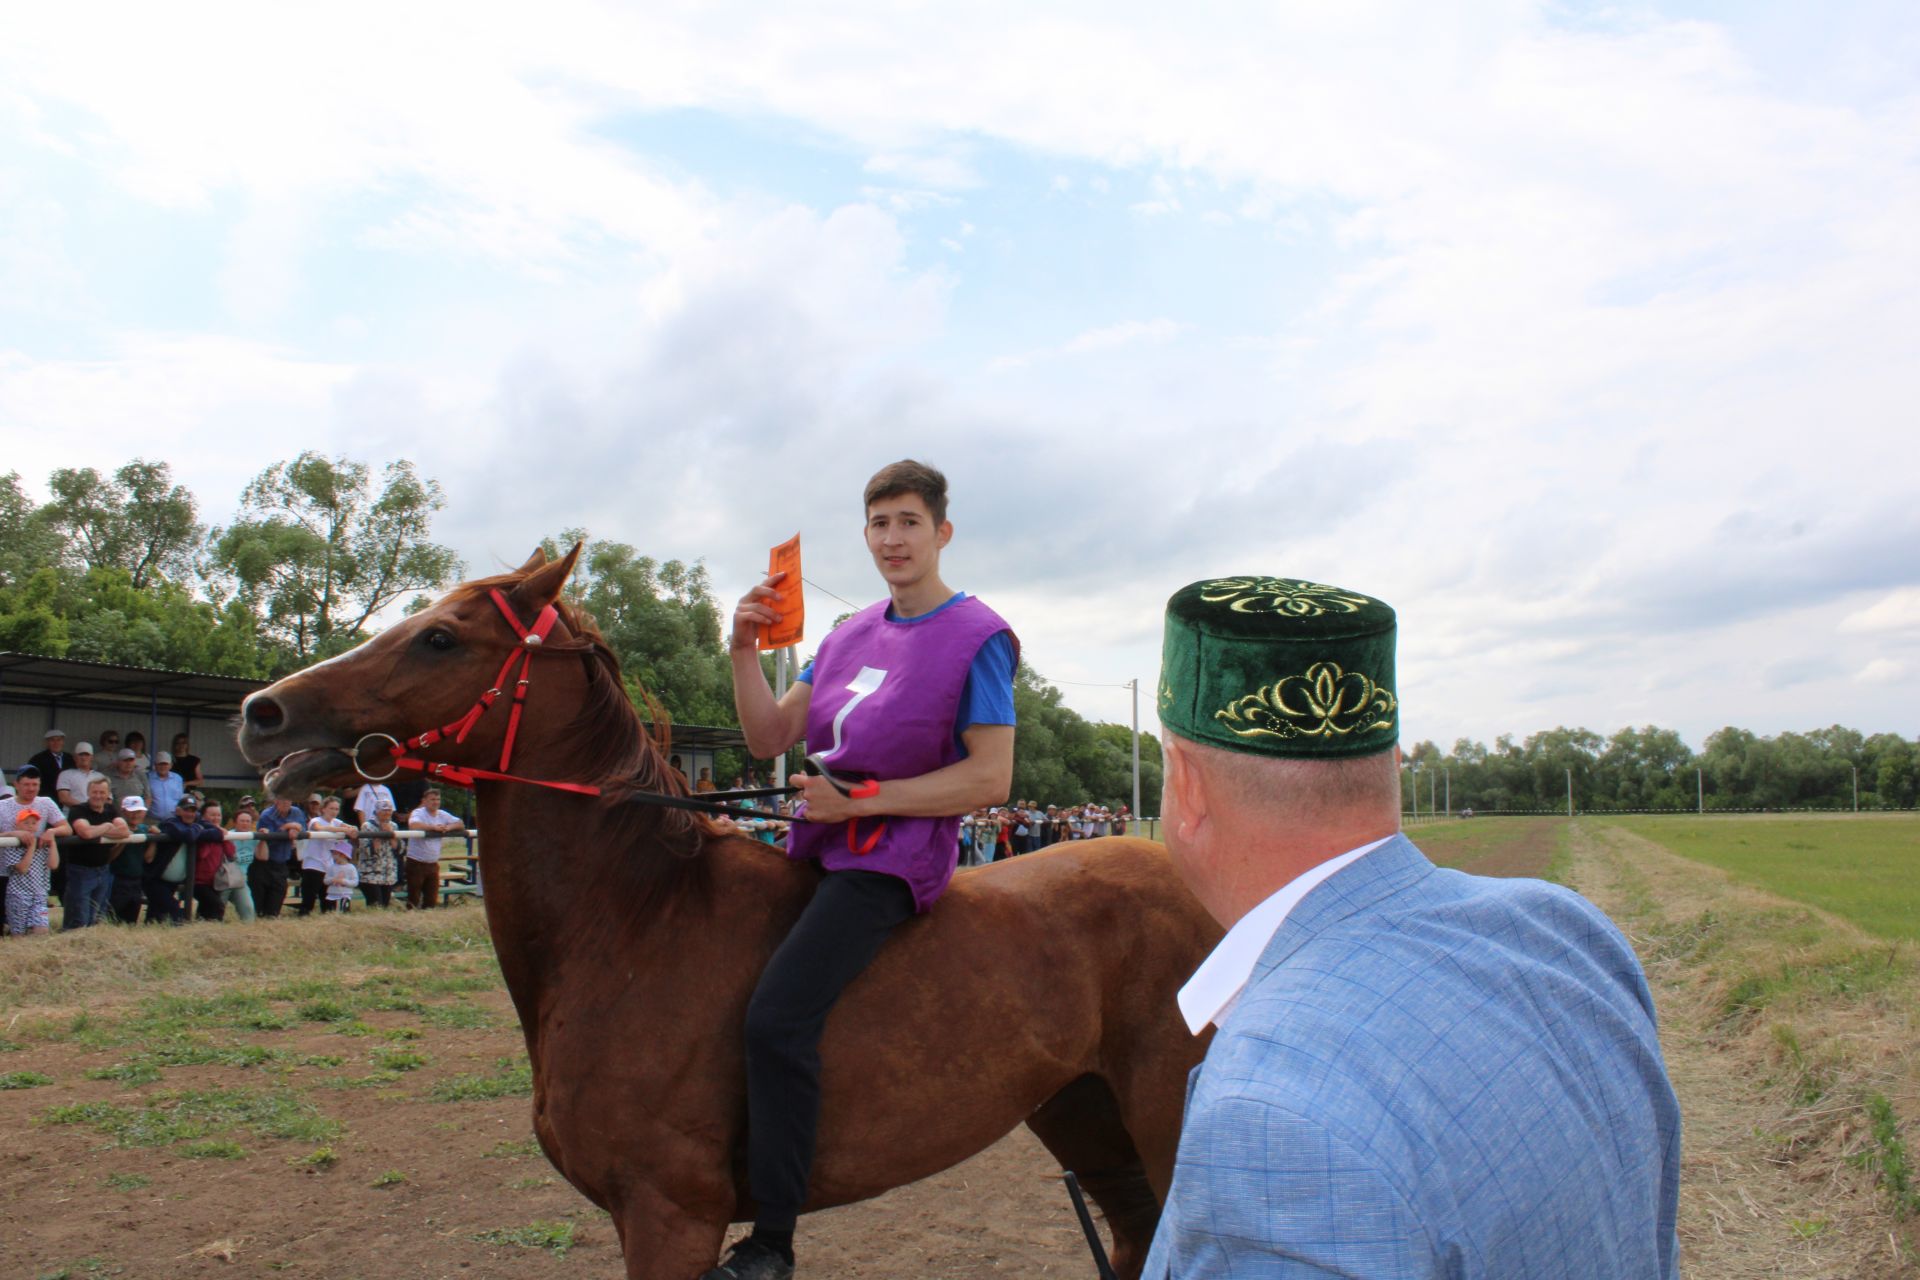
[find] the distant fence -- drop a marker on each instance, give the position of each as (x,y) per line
(270,837)
(1689,812)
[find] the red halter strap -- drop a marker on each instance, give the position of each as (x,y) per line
(531,638)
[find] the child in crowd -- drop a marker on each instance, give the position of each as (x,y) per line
(342,879)
(37,822)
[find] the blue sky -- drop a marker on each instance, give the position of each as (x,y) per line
(1583,334)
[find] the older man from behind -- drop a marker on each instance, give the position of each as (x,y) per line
(1417,1073)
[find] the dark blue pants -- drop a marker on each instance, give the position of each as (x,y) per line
(835,938)
(165,900)
(89,897)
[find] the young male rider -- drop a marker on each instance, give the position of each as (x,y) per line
(915,692)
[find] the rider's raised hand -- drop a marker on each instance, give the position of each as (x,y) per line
(758,608)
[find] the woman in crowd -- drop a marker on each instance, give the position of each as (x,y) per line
(209,855)
(379,856)
(137,743)
(324,835)
(37,822)
(185,763)
(239,854)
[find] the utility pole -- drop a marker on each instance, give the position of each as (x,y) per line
(1569,792)
(779,692)
(1700,784)
(1413,781)
(1856,788)
(1449,777)
(1134,684)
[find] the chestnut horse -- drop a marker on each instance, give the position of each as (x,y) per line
(630,937)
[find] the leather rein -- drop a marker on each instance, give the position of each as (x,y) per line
(531,640)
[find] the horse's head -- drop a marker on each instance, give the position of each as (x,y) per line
(421,673)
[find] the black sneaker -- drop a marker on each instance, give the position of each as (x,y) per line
(751,1260)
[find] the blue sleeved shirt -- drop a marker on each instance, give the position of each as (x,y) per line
(271,821)
(987,697)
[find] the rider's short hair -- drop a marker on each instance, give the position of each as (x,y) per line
(908,476)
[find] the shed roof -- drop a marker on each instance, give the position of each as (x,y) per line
(30,676)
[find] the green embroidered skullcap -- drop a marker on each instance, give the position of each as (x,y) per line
(1279,667)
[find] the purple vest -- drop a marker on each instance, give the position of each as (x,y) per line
(883,704)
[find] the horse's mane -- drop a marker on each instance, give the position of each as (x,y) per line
(618,754)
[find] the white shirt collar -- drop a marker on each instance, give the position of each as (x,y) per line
(1215,986)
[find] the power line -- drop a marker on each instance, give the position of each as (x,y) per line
(817,587)
(1081,684)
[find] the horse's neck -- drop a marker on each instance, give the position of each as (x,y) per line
(568,894)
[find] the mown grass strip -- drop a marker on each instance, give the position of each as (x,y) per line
(1856,866)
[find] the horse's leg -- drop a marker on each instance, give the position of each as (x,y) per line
(1081,1126)
(662,1240)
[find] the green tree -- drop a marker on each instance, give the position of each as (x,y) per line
(30,620)
(163,626)
(138,520)
(317,554)
(26,543)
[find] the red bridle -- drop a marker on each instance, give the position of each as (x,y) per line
(531,638)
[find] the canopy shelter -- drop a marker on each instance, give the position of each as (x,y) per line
(694,745)
(84,698)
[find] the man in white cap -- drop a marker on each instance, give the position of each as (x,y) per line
(129,865)
(53,760)
(164,786)
(70,787)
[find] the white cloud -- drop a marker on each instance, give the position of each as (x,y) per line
(1602,326)
(1897,612)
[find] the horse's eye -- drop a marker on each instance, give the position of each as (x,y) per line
(438,639)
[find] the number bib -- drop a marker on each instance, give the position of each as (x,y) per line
(885,695)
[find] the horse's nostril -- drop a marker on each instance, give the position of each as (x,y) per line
(263,713)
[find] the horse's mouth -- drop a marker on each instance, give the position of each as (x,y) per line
(301,771)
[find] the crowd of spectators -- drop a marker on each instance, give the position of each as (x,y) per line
(989,835)
(75,824)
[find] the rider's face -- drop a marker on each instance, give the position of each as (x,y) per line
(903,539)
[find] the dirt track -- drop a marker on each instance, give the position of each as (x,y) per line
(75,1204)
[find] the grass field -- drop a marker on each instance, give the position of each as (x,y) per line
(1863,867)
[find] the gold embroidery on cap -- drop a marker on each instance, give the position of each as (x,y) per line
(1166,694)
(1290,596)
(1326,702)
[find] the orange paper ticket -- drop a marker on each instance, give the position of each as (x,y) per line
(792,608)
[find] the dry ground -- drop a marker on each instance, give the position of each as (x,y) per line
(405,1184)
(346,1099)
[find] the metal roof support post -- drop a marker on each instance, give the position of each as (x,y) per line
(153,721)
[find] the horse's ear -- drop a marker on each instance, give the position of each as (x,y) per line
(534,561)
(541,587)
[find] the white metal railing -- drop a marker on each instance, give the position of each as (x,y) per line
(271,837)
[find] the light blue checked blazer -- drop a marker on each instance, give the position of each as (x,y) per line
(1431,1074)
